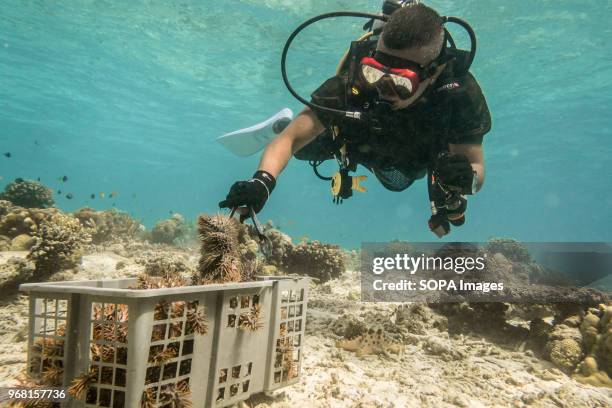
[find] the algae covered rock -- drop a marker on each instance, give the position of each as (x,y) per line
(28,194)
(59,241)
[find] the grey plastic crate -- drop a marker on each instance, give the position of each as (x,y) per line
(224,366)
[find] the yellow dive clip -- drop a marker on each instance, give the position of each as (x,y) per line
(342,185)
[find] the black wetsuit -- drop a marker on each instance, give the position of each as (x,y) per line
(404,143)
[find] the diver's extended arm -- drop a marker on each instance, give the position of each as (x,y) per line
(475,155)
(305,127)
(255,192)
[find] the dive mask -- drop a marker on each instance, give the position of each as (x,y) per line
(404,76)
(403,81)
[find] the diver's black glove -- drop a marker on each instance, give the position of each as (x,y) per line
(252,193)
(455,172)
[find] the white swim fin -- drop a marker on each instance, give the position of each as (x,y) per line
(248,141)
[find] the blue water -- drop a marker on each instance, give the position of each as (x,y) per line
(129,96)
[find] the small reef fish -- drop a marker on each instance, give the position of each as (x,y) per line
(64,179)
(69,196)
(18,180)
(8,154)
(92,196)
(101,194)
(112,194)
(37,178)
(59,192)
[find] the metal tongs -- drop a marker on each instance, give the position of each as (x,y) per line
(265,244)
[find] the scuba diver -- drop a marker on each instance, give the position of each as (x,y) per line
(403,105)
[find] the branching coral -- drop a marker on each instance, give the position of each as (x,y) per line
(28,194)
(219,256)
(59,241)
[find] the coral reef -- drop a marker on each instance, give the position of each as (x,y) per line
(510,248)
(596,331)
(219,256)
(312,258)
(108,225)
(59,241)
(321,261)
(578,340)
(564,346)
(280,246)
(169,231)
(28,194)
(15,220)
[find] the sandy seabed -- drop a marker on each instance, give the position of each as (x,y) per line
(433,370)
